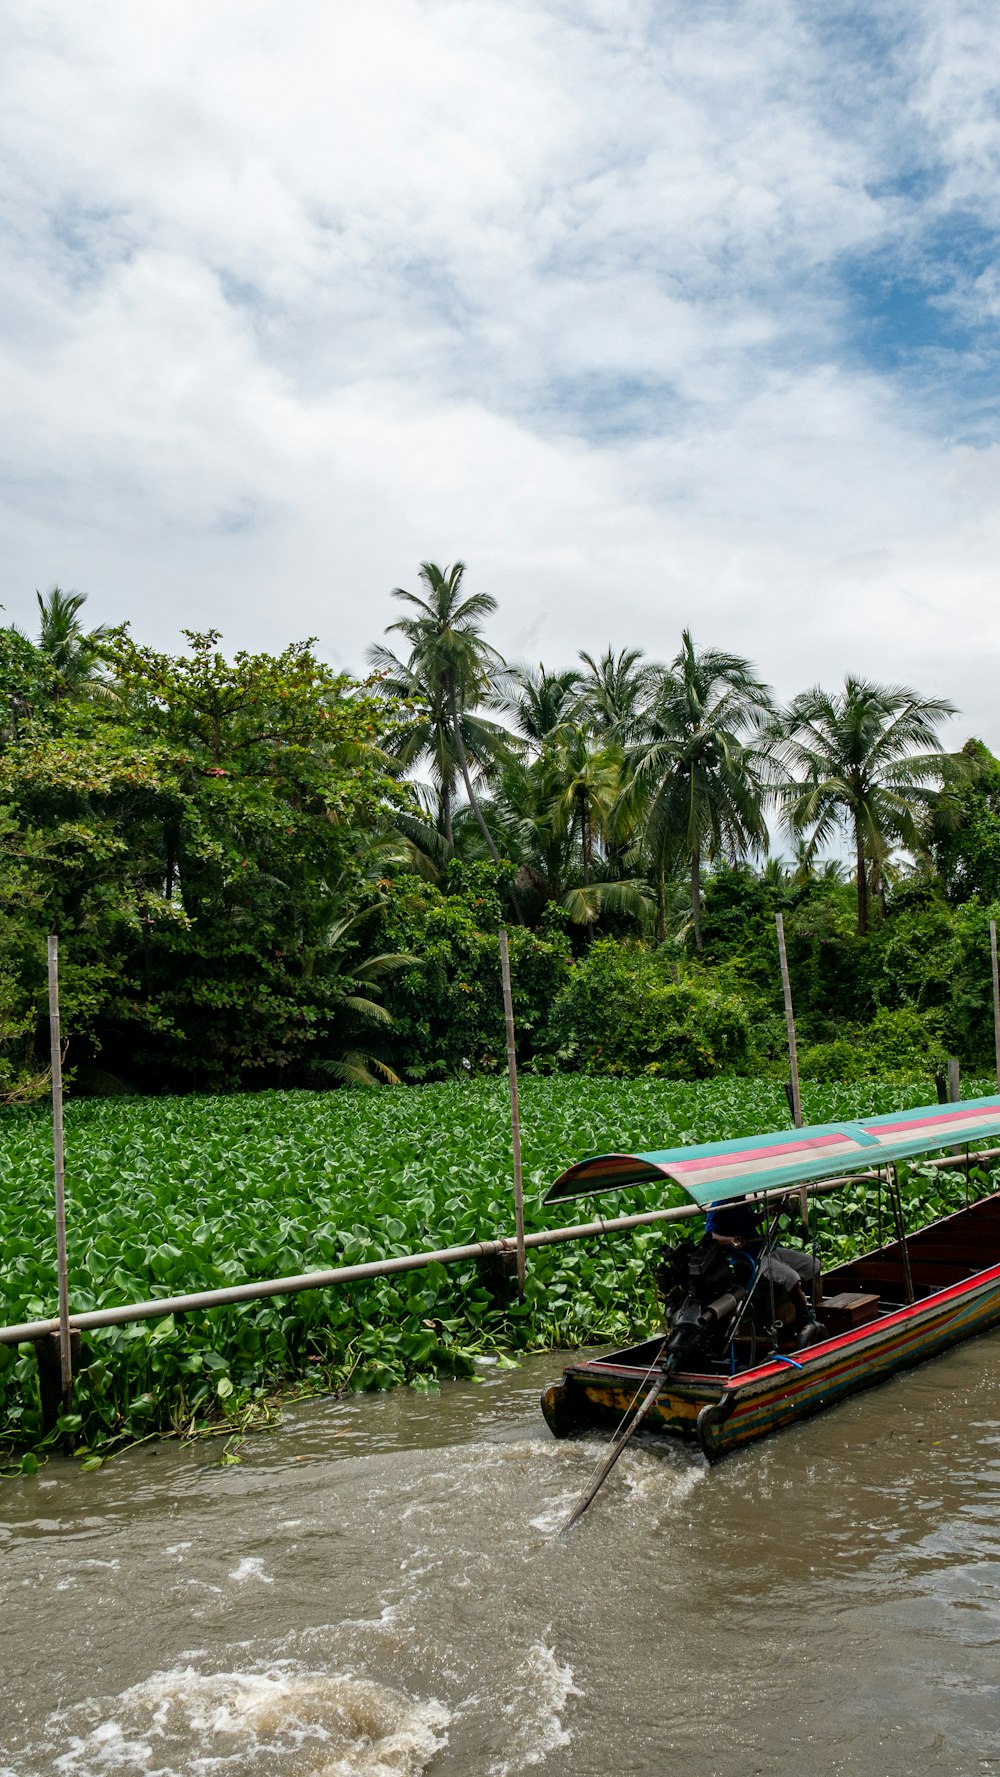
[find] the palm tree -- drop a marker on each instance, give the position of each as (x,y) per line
(75,653)
(806,868)
(589,775)
(424,734)
(538,701)
(699,773)
(352,980)
(615,691)
(449,664)
(854,763)
(585,790)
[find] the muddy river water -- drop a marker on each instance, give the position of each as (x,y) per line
(378,1590)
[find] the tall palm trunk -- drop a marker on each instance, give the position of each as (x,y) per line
(661,901)
(473,801)
(699,943)
(447,783)
(587,835)
(862,865)
(466,778)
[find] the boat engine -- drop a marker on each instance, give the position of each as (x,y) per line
(701,1297)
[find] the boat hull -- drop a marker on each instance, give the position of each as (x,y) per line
(721,1414)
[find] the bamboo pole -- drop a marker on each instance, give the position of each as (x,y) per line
(322,1280)
(954,1090)
(996,996)
(793,1054)
(515,1116)
(895,1197)
(55,1043)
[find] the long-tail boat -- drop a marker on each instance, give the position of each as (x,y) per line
(731,1372)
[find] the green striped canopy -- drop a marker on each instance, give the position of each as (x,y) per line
(717,1172)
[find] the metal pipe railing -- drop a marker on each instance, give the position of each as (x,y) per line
(321,1280)
(259,1291)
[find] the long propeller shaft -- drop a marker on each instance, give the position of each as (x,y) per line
(594,1486)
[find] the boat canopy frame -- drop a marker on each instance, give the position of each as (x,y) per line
(722,1172)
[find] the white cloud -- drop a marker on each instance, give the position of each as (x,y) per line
(299,295)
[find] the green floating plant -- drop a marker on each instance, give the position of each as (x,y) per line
(171,1196)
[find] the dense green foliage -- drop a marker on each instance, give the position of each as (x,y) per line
(892,1003)
(252,889)
(174,1195)
(194,837)
(627,1010)
(447,1005)
(967,830)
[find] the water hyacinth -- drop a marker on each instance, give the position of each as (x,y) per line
(169,1196)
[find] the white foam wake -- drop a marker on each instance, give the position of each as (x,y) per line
(534,1710)
(184,1723)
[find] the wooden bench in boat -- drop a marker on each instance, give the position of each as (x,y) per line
(849,1308)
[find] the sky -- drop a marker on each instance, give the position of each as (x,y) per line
(656,314)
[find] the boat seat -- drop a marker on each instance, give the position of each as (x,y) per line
(847,1309)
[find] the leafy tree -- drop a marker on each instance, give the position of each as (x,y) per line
(699,773)
(194,842)
(853,764)
(27,683)
(74,792)
(965,830)
(283,793)
(901,1045)
(447,1007)
(827,960)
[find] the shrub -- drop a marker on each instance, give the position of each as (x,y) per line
(628,1010)
(903,1043)
(897,1045)
(840,1060)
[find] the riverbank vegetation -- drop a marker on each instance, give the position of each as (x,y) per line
(265,874)
(171,1196)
